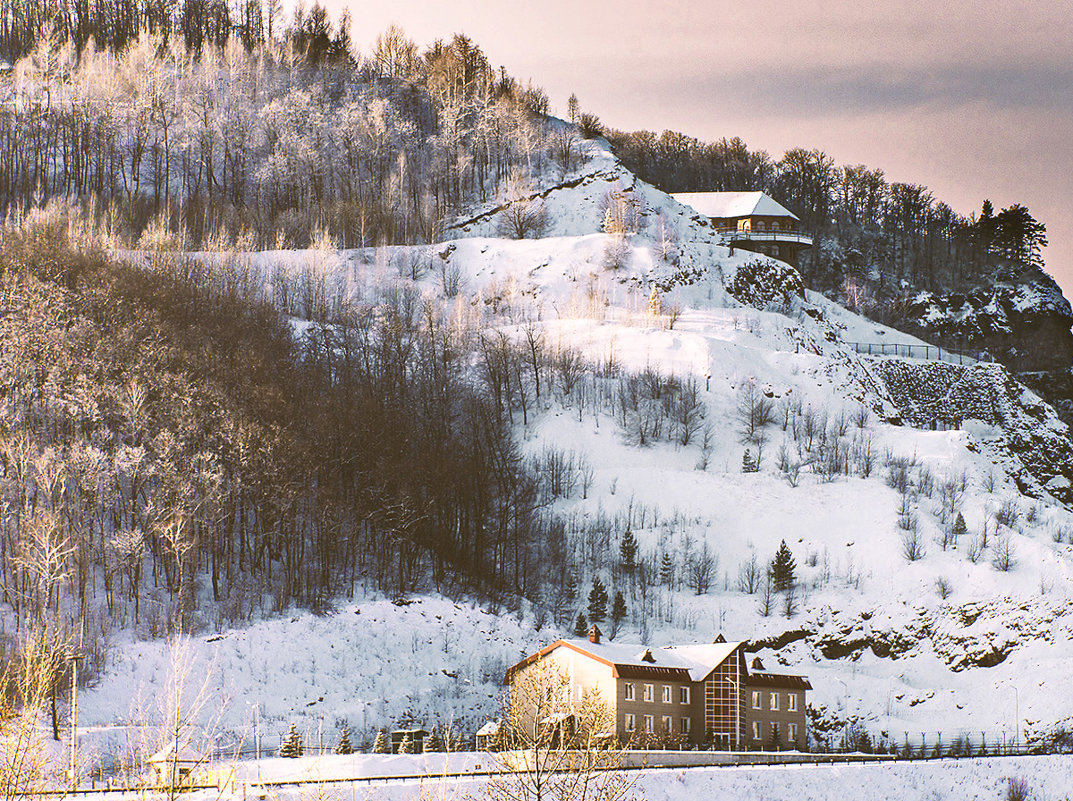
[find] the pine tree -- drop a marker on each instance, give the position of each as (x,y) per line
(666,569)
(433,743)
(655,304)
(292,744)
(344,746)
(597,601)
(407,745)
(380,745)
(628,550)
(573,108)
(618,612)
(748,464)
(958,529)
(782,568)
(581,626)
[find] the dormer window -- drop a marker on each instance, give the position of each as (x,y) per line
(646,656)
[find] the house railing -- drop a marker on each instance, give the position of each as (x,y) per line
(738,235)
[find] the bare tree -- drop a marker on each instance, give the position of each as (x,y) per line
(561,741)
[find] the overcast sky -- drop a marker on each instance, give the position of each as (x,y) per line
(972,99)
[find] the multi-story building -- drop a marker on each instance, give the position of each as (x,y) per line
(752,221)
(687,693)
(775,709)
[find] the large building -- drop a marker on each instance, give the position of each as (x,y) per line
(703,694)
(752,221)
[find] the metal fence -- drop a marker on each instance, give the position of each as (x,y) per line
(924,352)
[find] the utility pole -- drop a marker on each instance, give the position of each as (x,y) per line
(73,778)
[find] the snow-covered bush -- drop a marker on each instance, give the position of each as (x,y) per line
(764,283)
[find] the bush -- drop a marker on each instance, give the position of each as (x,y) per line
(1016,789)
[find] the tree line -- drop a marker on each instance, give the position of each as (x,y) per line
(260,138)
(872,236)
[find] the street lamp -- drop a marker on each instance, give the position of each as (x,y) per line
(845,711)
(1016,716)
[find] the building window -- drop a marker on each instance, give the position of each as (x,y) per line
(774,700)
(650,726)
(629,691)
(793,733)
(756,729)
(686,725)
(683,695)
(666,693)
(774,732)
(756,699)
(631,722)
(648,692)
(792,702)
(774,250)
(759,226)
(666,723)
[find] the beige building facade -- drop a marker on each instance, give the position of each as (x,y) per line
(691,694)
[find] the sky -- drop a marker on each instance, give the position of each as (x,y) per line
(973,100)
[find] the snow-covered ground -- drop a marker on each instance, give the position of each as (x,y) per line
(1047,778)
(898,646)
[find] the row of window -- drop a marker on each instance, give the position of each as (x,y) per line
(758,731)
(773,701)
(759,225)
(684,724)
(650,693)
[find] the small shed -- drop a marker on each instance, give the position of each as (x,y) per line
(174,765)
(417,740)
(488,736)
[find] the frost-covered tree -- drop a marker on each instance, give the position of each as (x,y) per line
(381,744)
(292,746)
(344,746)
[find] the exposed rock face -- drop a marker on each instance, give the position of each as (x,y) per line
(1023,324)
(1031,440)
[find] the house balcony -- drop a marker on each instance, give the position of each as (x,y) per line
(789,237)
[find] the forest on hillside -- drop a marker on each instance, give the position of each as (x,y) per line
(232,131)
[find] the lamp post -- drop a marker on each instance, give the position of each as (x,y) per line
(1016,716)
(845,711)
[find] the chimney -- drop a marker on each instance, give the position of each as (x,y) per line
(757,664)
(594,634)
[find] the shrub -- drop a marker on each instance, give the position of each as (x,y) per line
(1016,789)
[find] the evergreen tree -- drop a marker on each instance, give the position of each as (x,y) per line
(628,550)
(782,568)
(618,612)
(433,743)
(380,745)
(666,569)
(407,744)
(748,464)
(958,529)
(344,746)
(581,626)
(655,304)
(597,601)
(292,744)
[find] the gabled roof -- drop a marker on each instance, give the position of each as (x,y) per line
(632,660)
(734,204)
(167,754)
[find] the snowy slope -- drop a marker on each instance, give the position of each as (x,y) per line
(880,642)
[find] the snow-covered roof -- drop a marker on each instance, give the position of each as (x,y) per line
(734,204)
(167,754)
(488,729)
(698,660)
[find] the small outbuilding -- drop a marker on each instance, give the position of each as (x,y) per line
(174,765)
(488,736)
(416,738)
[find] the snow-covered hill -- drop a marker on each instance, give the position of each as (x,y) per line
(972,634)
